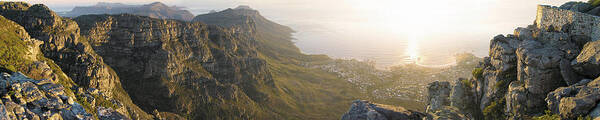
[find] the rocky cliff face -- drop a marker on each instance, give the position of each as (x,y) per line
(42,91)
(176,59)
(154,10)
(61,42)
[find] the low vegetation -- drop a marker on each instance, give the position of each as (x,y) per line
(478,73)
(12,49)
(594,2)
(547,116)
(495,111)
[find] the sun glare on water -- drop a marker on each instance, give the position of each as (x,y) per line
(412,49)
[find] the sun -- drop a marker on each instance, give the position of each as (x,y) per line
(412,49)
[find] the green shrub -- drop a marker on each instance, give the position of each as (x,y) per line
(467,83)
(101,101)
(478,73)
(12,48)
(584,118)
(495,111)
(594,2)
(547,116)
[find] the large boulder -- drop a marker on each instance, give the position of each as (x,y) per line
(363,110)
(515,97)
(500,68)
(446,113)
(463,98)
(588,61)
(439,93)
(539,67)
(575,100)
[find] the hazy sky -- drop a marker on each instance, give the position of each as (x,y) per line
(383,30)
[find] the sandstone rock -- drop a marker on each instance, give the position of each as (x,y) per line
(575,100)
(217,62)
(37,101)
(446,113)
(439,93)
(524,33)
(464,99)
(110,114)
(588,61)
(363,110)
(515,97)
(501,70)
(539,71)
(62,43)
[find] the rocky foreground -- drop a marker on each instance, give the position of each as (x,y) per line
(548,70)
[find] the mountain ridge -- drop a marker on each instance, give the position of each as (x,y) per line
(154,10)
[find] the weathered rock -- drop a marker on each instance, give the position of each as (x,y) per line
(595,11)
(539,67)
(575,100)
(36,103)
(500,70)
(577,6)
(62,43)
(515,97)
(446,113)
(110,114)
(220,63)
(439,93)
(363,110)
(464,99)
(588,61)
(595,113)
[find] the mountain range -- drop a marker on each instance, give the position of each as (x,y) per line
(153,10)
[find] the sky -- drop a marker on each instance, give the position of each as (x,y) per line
(387,31)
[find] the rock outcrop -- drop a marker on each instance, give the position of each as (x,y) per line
(26,98)
(452,101)
(171,57)
(364,110)
(42,91)
(62,43)
(154,10)
(588,63)
(439,93)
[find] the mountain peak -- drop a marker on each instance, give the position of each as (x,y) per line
(157,4)
(154,10)
(243,7)
(109,4)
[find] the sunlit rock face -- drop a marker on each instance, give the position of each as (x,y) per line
(588,63)
(34,87)
(555,19)
(212,64)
